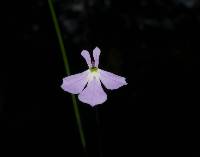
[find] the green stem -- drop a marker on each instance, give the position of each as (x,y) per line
(65,60)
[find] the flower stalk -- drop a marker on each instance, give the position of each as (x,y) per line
(67,69)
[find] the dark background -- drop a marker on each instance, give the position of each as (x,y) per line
(154,44)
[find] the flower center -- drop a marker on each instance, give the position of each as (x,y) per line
(93,69)
(94,73)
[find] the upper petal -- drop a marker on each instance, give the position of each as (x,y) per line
(93,94)
(96,54)
(86,56)
(110,80)
(75,83)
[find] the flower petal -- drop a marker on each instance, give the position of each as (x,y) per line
(86,56)
(75,83)
(96,53)
(110,80)
(93,94)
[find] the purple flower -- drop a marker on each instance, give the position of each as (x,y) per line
(88,83)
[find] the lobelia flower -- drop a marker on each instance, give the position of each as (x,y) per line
(88,83)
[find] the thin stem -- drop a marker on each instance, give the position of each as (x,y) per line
(67,69)
(99,132)
(60,40)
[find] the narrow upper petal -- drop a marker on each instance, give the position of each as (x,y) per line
(96,54)
(87,57)
(75,83)
(93,94)
(110,80)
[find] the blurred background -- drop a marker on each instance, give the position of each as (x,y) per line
(154,44)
